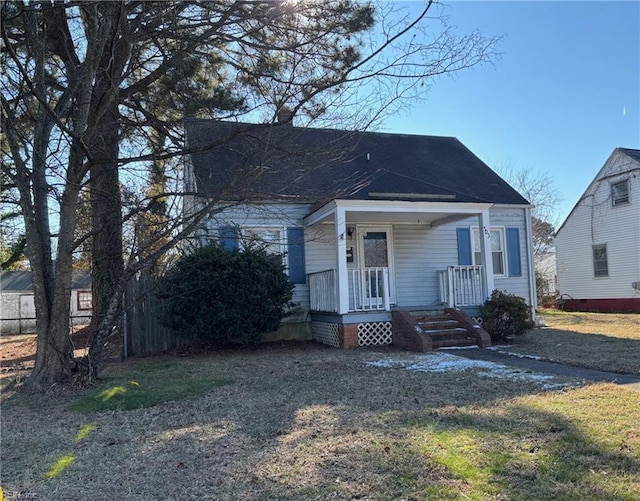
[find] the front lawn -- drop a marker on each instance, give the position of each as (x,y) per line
(603,341)
(309,422)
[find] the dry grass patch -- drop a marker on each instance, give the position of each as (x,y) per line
(603,341)
(318,423)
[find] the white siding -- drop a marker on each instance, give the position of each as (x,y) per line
(18,312)
(276,215)
(419,251)
(595,221)
(10,304)
(21,304)
(320,251)
(514,285)
(500,218)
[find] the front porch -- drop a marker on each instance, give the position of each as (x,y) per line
(368,289)
(373,321)
(385,253)
(391,256)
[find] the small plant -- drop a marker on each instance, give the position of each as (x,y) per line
(505,315)
(224,296)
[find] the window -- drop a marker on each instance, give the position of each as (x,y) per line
(497,250)
(286,241)
(600,265)
(269,238)
(85,300)
(620,193)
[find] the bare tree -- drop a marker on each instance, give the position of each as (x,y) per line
(539,188)
(90,87)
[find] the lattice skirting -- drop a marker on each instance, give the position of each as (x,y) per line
(326,333)
(374,333)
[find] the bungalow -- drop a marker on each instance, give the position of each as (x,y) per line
(380,232)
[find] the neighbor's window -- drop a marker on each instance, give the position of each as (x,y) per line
(497,250)
(85,300)
(620,193)
(600,265)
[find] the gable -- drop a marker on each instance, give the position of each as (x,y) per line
(623,163)
(236,161)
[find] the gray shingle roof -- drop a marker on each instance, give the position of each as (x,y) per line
(635,154)
(21,280)
(245,161)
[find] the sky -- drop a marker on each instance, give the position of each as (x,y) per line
(563,95)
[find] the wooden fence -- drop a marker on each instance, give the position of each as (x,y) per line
(145,334)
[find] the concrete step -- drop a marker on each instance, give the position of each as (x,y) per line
(427,313)
(428,330)
(438,324)
(448,337)
(455,332)
(450,342)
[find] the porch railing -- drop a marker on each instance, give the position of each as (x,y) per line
(322,291)
(462,286)
(368,289)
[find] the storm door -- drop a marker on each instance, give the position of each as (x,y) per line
(375,255)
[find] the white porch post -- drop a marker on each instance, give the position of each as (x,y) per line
(342,276)
(531,266)
(484,223)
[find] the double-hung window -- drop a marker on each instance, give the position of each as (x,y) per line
(285,241)
(271,239)
(600,263)
(620,193)
(497,250)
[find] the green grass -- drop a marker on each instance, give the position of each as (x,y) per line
(554,446)
(149,384)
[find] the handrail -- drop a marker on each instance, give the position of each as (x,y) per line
(464,285)
(322,291)
(368,290)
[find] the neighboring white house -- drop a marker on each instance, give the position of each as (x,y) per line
(370,223)
(547,275)
(17,308)
(598,245)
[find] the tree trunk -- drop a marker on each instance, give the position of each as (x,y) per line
(54,355)
(104,183)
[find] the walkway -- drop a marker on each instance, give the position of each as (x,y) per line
(546,367)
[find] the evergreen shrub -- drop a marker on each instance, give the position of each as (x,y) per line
(223,296)
(505,315)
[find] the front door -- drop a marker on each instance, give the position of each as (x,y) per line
(375,251)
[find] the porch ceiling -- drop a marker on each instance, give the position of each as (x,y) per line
(395,212)
(427,218)
(431,219)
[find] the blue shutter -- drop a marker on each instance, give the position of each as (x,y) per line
(295,254)
(464,246)
(513,252)
(228,236)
